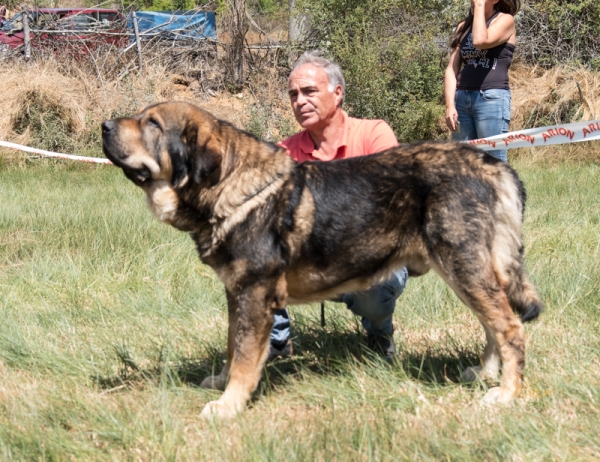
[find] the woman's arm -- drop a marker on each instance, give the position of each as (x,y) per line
(450,77)
(501,30)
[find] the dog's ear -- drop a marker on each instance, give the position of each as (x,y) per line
(204,154)
(178,152)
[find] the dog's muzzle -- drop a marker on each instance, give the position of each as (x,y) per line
(114,153)
(109,129)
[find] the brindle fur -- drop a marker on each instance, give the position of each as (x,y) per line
(279,233)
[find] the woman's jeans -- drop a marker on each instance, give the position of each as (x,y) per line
(375,306)
(483,113)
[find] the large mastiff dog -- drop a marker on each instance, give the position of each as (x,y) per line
(277,232)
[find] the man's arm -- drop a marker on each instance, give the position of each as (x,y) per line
(292,147)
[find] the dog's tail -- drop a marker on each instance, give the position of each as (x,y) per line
(523,296)
(508,248)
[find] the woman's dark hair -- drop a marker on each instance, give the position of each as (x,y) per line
(504,6)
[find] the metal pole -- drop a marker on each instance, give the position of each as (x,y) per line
(26,36)
(137,40)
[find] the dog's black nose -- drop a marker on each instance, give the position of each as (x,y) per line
(108,126)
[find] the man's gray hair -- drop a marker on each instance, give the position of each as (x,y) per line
(333,71)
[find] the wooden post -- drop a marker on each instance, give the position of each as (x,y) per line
(26,35)
(238,34)
(137,41)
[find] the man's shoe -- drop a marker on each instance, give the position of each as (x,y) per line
(280,351)
(383,345)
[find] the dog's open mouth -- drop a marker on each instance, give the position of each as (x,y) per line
(139,175)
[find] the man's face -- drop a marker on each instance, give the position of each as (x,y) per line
(313,103)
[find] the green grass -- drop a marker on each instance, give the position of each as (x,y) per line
(110,322)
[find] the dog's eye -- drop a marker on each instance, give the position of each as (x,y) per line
(152,122)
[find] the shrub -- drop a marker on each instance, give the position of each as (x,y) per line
(549,32)
(392,65)
(575,28)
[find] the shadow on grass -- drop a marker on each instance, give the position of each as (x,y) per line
(321,351)
(332,352)
(174,372)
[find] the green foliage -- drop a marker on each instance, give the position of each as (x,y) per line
(258,124)
(577,24)
(560,11)
(168,5)
(268,124)
(12,5)
(268,6)
(392,66)
(393,52)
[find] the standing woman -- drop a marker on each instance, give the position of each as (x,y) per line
(476,79)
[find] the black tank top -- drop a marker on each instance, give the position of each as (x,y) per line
(484,69)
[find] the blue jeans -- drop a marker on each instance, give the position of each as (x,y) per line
(375,306)
(483,113)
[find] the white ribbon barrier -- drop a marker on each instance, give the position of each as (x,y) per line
(543,136)
(19,147)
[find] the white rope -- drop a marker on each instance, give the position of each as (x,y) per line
(20,147)
(542,136)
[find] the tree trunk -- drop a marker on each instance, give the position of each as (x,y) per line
(297,25)
(237,16)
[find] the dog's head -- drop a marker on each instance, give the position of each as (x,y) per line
(169,143)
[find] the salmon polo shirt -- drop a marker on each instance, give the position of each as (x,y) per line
(359,138)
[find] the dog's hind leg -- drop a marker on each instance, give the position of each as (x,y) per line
(478,287)
(248,343)
(509,335)
(523,299)
(490,361)
(494,312)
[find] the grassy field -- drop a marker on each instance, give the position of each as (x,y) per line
(110,322)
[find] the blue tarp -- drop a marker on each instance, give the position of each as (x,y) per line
(175,25)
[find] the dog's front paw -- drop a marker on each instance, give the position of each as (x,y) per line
(472,374)
(218,410)
(499,395)
(214,382)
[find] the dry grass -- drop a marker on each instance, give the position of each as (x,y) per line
(78,99)
(82,100)
(558,93)
(18,85)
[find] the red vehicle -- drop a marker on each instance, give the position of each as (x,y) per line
(74,29)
